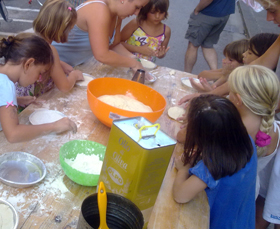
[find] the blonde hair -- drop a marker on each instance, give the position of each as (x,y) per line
(55,20)
(258,88)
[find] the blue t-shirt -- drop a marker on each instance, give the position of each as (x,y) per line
(219,8)
(231,198)
(7,92)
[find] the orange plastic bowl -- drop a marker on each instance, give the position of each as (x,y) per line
(114,86)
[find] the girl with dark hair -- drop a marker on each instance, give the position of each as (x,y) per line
(220,158)
(26,58)
(258,45)
(146,36)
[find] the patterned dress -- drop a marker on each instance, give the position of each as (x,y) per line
(139,38)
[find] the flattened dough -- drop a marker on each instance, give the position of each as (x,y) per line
(45,116)
(124,102)
(187,81)
(85,82)
(176,112)
(6,217)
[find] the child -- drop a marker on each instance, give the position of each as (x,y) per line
(255,92)
(258,45)
(146,36)
(220,158)
(53,23)
(233,53)
(26,57)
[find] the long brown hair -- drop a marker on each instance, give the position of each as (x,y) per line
(55,20)
(217,136)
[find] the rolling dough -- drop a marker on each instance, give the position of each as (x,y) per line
(85,82)
(176,112)
(124,102)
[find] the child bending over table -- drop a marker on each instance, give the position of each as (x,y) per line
(53,23)
(26,58)
(220,158)
(254,90)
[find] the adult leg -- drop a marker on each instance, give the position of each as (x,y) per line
(260,222)
(211,57)
(190,57)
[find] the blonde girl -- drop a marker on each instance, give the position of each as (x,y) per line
(53,23)
(255,92)
(146,36)
(26,57)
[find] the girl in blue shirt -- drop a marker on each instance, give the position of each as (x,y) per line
(220,158)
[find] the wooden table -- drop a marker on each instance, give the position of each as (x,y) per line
(55,202)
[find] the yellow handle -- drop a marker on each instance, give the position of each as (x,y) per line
(102,205)
(143,127)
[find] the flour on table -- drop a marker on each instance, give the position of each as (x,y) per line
(45,116)
(6,217)
(84,83)
(124,102)
(176,112)
(90,164)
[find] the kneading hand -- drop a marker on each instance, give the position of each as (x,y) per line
(65,124)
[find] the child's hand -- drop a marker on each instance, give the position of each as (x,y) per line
(187,98)
(178,162)
(66,67)
(24,101)
(161,51)
(146,50)
(206,86)
(78,75)
(65,124)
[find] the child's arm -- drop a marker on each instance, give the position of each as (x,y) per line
(221,91)
(211,74)
(163,49)
(16,132)
(125,35)
(270,58)
(186,187)
(66,67)
(63,83)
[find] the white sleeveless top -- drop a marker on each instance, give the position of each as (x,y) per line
(265,165)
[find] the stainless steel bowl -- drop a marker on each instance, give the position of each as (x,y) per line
(15,214)
(21,170)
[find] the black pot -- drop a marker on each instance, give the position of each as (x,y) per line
(121,213)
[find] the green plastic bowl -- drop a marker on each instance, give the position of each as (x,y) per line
(70,150)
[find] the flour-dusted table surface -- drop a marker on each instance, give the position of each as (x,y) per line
(56,201)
